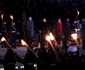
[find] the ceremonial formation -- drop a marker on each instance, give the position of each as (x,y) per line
(53,36)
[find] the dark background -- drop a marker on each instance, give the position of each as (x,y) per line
(50,9)
(38,9)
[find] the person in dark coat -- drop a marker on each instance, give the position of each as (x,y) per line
(10,59)
(13,35)
(4,32)
(29,60)
(67,29)
(30,27)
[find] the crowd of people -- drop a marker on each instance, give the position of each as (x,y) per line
(70,56)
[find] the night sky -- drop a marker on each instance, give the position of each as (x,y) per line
(38,9)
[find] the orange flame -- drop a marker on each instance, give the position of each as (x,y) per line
(48,38)
(51,36)
(3,39)
(11,17)
(1,16)
(23,43)
(74,36)
(78,12)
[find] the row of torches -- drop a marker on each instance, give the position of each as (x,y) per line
(11,16)
(49,38)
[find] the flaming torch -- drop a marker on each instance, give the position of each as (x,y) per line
(4,40)
(74,36)
(11,18)
(77,14)
(24,43)
(49,40)
(2,17)
(52,38)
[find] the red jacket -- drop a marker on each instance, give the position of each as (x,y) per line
(59,28)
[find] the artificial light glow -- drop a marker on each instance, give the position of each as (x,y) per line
(2,16)
(48,38)
(11,17)
(3,39)
(74,36)
(78,12)
(51,36)
(23,42)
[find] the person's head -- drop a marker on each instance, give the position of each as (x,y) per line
(83,19)
(13,24)
(67,19)
(78,21)
(30,18)
(74,21)
(44,19)
(59,19)
(4,22)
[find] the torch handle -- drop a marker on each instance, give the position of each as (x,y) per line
(32,51)
(10,46)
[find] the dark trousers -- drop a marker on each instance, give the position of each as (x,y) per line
(9,67)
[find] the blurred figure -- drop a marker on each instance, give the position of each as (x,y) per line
(44,28)
(4,32)
(83,28)
(29,60)
(30,27)
(10,59)
(59,31)
(67,29)
(13,35)
(78,28)
(73,58)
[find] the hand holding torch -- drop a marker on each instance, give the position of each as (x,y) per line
(49,40)
(25,44)
(11,18)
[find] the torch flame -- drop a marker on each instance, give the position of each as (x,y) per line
(23,42)
(74,36)
(51,36)
(11,17)
(2,16)
(78,12)
(48,38)
(3,39)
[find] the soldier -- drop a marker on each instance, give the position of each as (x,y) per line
(29,60)
(10,59)
(13,35)
(42,53)
(4,32)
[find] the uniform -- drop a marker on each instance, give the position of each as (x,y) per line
(13,36)
(10,59)
(29,61)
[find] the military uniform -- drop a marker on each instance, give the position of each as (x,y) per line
(4,32)
(10,60)
(13,36)
(29,61)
